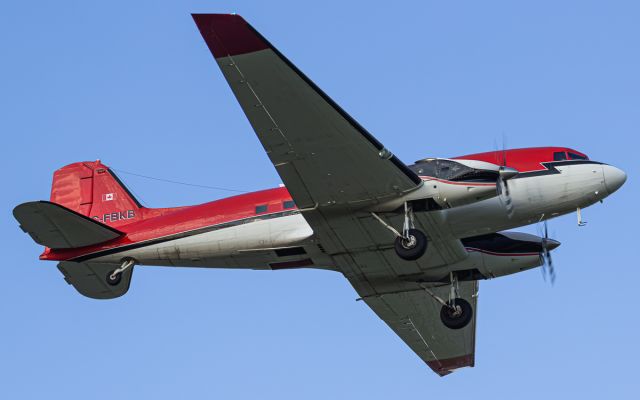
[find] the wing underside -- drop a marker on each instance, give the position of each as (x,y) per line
(415,316)
(335,169)
(363,250)
(323,155)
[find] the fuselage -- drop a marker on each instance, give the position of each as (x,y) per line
(265,230)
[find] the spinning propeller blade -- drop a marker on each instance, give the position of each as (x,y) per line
(548,245)
(505,173)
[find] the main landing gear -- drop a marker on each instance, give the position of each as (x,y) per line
(412,243)
(114,277)
(456,313)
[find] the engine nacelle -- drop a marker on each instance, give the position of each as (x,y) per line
(494,266)
(454,194)
(458,182)
(452,183)
(494,255)
(505,253)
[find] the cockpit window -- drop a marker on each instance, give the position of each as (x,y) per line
(574,156)
(426,168)
(452,171)
(559,156)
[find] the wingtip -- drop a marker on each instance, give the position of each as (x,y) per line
(446,366)
(228,34)
(215,16)
(203,19)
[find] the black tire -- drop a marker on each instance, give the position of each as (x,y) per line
(457,321)
(413,251)
(116,280)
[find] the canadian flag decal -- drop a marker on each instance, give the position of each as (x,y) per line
(108,197)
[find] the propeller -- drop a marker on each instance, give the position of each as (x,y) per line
(504,174)
(547,264)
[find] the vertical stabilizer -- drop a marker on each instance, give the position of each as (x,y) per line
(90,188)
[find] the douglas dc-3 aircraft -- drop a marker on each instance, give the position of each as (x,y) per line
(413,240)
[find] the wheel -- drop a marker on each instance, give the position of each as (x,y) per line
(453,321)
(413,248)
(115,280)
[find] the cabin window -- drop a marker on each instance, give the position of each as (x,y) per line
(559,156)
(574,156)
(288,204)
(261,209)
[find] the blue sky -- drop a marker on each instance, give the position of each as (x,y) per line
(132,84)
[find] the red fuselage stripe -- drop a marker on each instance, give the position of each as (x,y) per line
(188,219)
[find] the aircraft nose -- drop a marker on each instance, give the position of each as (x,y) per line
(614,177)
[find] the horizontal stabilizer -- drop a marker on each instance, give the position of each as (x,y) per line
(57,227)
(90,279)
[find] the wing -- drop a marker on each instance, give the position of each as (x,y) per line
(57,227)
(327,161)
(415,316)
(323,156)
(363,250)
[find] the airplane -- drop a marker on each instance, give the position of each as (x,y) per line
(413,240)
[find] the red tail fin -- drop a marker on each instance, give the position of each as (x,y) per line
(92,189)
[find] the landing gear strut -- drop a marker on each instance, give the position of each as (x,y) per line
(114,277)
(412,243)
(456,313)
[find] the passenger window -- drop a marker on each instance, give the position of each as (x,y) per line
(559,156)
(574,156)
(261,209)
(288,204)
